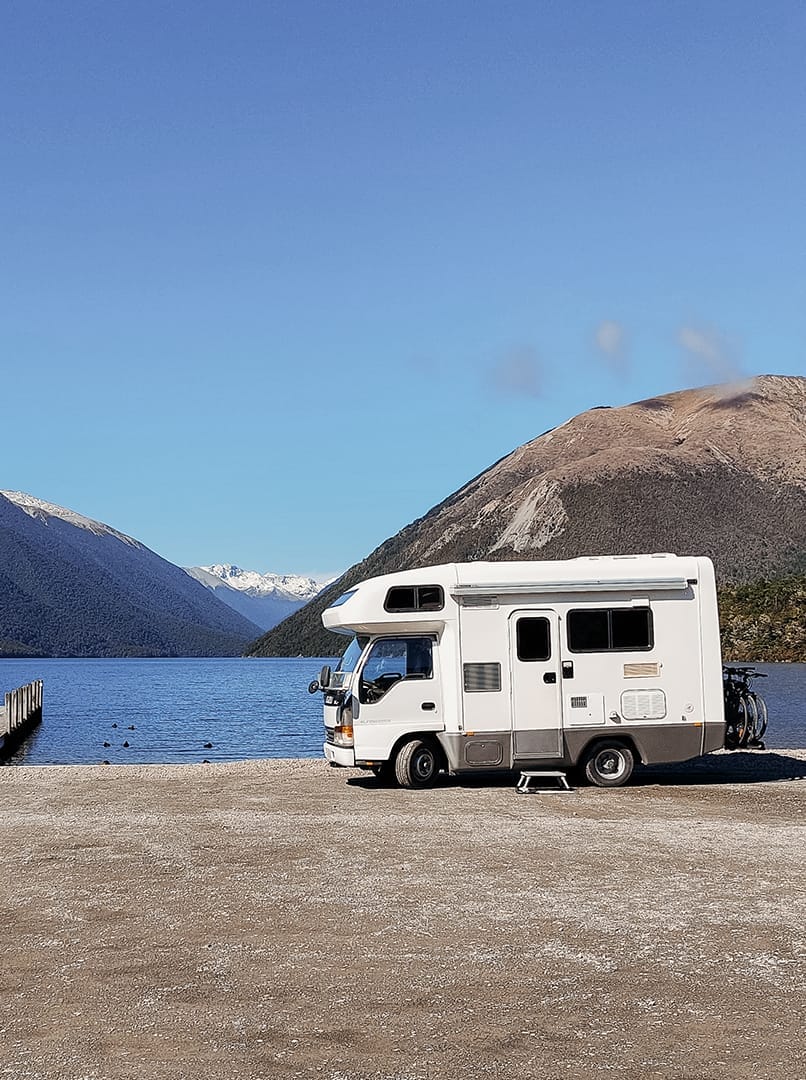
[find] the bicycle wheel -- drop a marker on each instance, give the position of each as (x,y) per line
(743,721)
(760,725)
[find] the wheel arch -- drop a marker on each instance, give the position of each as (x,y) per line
(627,740)
(426,736)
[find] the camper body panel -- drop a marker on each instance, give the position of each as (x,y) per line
(532,662)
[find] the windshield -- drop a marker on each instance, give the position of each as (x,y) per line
(350,658)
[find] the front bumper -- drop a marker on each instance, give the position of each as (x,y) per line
(339,755)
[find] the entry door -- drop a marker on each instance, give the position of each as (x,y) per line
(536,698)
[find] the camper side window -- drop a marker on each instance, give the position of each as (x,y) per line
(415,598)
(612,629)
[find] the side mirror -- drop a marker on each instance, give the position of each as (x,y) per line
(324,677)
(355,708)
(313,687)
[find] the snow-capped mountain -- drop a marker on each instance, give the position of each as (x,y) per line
(265,599)
(71,586)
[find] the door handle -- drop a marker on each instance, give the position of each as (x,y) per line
(568,669)
(428,706)
(550,677)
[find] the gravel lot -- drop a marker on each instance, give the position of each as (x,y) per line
(279,919)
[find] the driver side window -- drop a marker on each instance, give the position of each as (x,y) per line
(392,659)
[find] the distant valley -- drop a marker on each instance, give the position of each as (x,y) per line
(72,586)
(264,599)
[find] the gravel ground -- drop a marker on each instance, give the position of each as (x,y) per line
(278,919)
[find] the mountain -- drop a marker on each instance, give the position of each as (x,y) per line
(718,471)
(265,599)
(71,586)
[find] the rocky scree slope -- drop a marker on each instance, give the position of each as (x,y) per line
(718,471)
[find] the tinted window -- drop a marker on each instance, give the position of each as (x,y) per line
(631,628)
(415,598)
(613,628)
(430,598)
(533,639)
(588,631)
(402,598)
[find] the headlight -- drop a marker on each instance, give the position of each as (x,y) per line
(343,735)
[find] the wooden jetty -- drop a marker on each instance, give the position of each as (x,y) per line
(20,714)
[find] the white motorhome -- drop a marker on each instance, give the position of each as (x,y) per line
(591,662)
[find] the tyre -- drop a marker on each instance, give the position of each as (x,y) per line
(609,764)
(760,725)
(744,721)
(417,764)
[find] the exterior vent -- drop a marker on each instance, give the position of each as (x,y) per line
(643,704)
(482,678)
(579,703)
(480,601)
(641,671)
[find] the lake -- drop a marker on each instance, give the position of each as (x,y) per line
(166,710)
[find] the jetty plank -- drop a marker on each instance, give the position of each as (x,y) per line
(21,712)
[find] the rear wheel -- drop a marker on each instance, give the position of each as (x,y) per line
(760,725)
(609,764)
(744,721)
(417,764)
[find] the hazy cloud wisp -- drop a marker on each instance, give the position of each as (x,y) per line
(519,371)
(611,341)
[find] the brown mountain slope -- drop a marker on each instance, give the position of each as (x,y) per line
(717,471)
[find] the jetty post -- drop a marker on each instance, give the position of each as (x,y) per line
(20,714)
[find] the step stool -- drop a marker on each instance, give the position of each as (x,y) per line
(527,784)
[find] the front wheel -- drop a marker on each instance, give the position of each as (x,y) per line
(416,764)
(609,764)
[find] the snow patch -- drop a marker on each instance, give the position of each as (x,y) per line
(41,511)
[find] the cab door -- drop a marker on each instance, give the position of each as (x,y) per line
(535,674)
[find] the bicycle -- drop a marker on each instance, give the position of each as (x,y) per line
(745,710)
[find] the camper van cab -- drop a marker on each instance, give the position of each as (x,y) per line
(593,662)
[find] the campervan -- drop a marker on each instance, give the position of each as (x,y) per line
(597,663)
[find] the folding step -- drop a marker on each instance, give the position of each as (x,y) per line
(533,782)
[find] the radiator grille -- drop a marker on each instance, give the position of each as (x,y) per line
(480,678)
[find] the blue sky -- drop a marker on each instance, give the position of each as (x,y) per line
(279,277)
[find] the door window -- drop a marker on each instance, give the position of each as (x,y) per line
(390,661)
(533,638)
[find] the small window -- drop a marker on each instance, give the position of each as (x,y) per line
(630,628)
(482,678)
(402,598)
(533,639)
(415,598)
(344,598)
(622,629)
(588,631)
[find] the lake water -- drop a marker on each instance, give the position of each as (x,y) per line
(168,709)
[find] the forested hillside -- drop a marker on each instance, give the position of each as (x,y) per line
(70,586)
(764,621)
